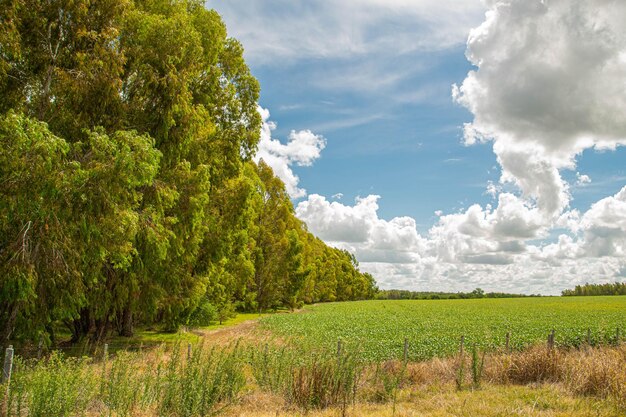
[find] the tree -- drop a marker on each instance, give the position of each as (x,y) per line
(478,293)
(127,190)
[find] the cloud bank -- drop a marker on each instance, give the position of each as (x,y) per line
(549,83)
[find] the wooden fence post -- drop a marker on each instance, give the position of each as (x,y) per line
(39,347)
(406,349)
(8,365)
(461,347)
(6,377)
(339,349)
(508,341)
(105,354)
(551,340)
(188,350)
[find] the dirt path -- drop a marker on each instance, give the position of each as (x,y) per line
(247,330)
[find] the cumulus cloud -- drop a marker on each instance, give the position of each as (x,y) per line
(302,149)
(582,179)
(549,84)
(359,228)
(550,74)
(604,227)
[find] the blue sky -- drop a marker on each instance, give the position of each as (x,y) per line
(490,186)
(409,152)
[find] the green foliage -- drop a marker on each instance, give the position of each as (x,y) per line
(386,381)
(35,240)
(377,328)
(127,190)
(323,382)
(204,314)
(617,288)
(307,380)
(478,363)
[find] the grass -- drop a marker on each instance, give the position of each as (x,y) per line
(263,374)
(218,380)
(378,328)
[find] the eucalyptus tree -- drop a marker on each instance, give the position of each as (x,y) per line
(127,190)
(187,85)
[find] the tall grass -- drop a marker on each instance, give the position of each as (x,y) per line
(165,381)
(56,387)
(314,381)
(168,382)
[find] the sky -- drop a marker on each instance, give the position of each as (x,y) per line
(449,144)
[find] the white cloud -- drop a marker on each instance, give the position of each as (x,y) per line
(302,149)
(474,248)
(604,227)
(582,179)
(358,228)
(550,75)
(493,189)
(466,250)
(536,176)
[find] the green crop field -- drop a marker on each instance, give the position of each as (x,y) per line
(376,329)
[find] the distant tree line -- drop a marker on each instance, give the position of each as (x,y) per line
(128,194)
(616,288)
(433,295)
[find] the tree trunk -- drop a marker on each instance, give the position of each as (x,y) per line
(126,326)
(50,331)
(81,326)
(101,330)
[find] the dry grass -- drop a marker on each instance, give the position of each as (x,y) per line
(534,365)
(548,400)
(534,382)
(592,372)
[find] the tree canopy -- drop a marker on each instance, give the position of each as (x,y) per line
(609,288)
(128,193)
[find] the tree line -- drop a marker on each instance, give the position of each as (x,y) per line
(616,288)
(128,194)
(434,295)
